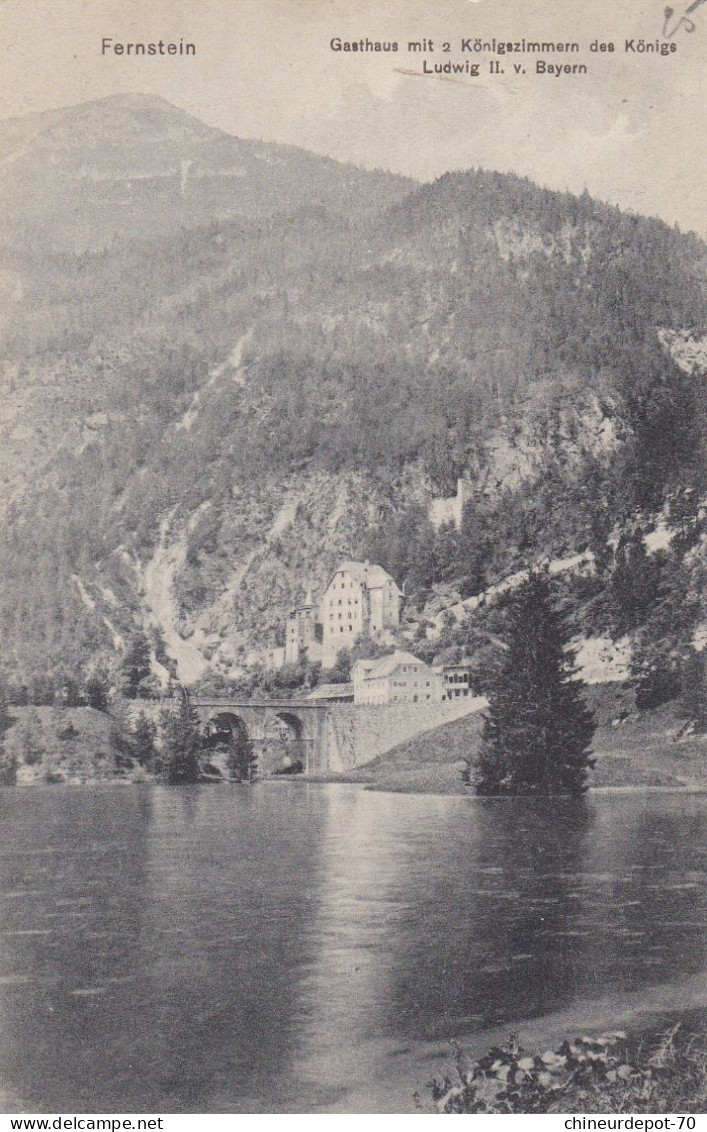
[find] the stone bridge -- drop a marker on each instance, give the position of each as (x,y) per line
(281,732)
(324,737)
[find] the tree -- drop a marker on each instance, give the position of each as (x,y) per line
(97,690)
(242,760)
(693,700)
(136,666)
(71,691)
(121,727)
(143,738)
(635,581)
(538,730)
(182,743)
(662,647)
(30,746)
(8,761)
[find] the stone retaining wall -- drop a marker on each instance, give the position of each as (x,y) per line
(359,733)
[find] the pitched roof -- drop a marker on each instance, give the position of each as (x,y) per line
(366,574)
(308,603)
(388,664)
(332,692)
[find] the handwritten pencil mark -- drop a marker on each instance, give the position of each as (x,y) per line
(684,20)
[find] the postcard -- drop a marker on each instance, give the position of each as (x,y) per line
(352,509)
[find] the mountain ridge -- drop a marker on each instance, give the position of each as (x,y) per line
(135,164)
(178,389)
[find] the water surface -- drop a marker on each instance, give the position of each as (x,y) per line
(293,947)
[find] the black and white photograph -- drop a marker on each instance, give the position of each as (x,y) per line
(353,516)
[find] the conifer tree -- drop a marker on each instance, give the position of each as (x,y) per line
(143,737)
(635,581)
(693,700)
(182,743)
(136,666)
(662,647)
(538,730)
(97,689)
(8,760)
(242,759)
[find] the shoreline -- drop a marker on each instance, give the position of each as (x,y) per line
(320,780)
(632,750)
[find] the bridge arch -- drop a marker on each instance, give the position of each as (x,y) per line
(230,746)
(293,723)
(223,724)
(285,745)
(283,734)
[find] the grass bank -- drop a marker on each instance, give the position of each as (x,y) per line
(632,749)
(72,745)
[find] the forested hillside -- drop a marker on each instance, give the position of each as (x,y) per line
(204,407)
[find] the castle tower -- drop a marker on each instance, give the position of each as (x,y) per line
(301,631)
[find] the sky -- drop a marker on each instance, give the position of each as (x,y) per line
(631,130)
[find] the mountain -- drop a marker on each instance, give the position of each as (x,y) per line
(133,165)
(203,410)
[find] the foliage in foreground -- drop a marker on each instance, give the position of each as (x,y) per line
(666,1072)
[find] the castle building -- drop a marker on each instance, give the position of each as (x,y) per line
(400,678)
(302,635)
(360,600)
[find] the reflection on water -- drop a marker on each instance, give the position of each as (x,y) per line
(286,947)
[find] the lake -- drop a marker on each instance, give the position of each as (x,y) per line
(294,947)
